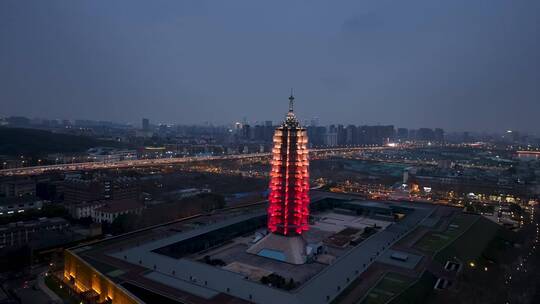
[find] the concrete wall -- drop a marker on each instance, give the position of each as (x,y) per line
(85,278)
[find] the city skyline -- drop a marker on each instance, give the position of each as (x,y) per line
(37,122)
(455,65)
(40,122)
(295,152)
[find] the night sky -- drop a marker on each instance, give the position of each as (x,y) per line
(457,64)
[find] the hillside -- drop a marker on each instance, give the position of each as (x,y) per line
(16,141)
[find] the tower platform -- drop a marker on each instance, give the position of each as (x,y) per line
(288,249)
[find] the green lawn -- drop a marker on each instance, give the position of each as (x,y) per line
(470,245)
(388,287)
(435,241)
(418,292)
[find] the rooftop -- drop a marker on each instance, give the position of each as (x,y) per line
(115,206)
(170,259)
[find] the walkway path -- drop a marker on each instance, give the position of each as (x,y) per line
(41,284)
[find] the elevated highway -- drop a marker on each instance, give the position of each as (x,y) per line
(125,164)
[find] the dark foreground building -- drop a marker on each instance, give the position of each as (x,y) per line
(206,259)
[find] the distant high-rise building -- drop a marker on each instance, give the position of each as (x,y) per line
(376,135)
(425,134)
(466,137)
(342,135)
(331,138)
(412,134)
(246,132)
(17,121)
(439,135)
(237,127)
(268,132)
(402,133)
(351,135)
(145,124)
(258,133)
(317,135)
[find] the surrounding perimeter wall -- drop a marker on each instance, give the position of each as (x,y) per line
(83,278)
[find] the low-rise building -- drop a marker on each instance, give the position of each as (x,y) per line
(108,154)
(209,258)
(85,209)
(14,205)
(113,209)
(77,190)
(18,187)
(185,193)
(20,233)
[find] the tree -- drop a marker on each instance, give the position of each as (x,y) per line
(124,223)
(515,208)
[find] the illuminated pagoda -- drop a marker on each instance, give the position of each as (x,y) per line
(288,201)
(288,209)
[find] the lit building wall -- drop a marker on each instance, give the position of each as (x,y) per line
(84,277)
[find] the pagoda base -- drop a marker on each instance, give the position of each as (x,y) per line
(288,249)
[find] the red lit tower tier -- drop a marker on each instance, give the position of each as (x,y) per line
(288,210)
(288,201)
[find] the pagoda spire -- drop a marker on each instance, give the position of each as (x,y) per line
(291,101)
